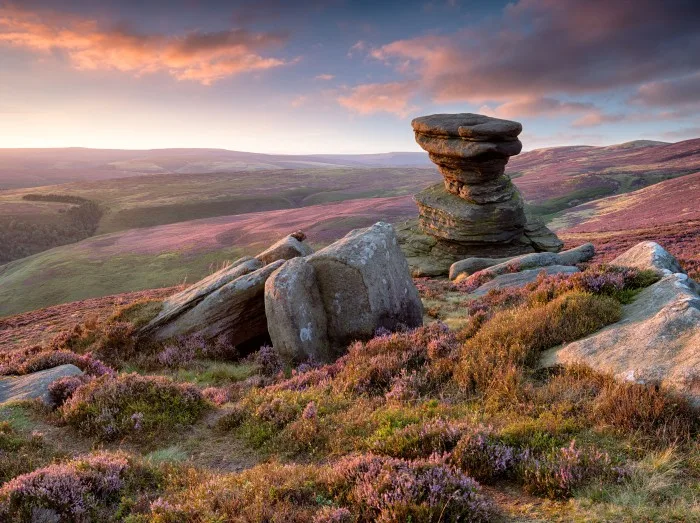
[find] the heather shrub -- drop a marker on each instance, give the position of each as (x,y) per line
(268,360)
(131,405)
(515,337)
(483,456)
(419,440)
(62,389)
(270,492)
(557,473)
(370,367)
(35,359)
(18,453)
(388,490)
(85,489)
(647,410)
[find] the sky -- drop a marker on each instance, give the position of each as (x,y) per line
(335,76)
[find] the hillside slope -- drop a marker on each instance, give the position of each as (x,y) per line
(558,178)
(36,167)
(170,254)
(667,212)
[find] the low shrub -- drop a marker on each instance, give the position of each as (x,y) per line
(62,389)
(419,440)
(36,359)
(19,453)
(483,456)
(84,489)
(515,337)
(557,473)
(131,405)
(388,490)
(647,410)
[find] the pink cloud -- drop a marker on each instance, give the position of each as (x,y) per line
(325,77)
(391,98)
(539,50)
(196,56)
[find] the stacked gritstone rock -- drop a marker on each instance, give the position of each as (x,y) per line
(477,211)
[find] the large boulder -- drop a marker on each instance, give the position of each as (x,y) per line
(34,385)
(521,279)
(363,283)
(656,341)
(182,314)
(497,266)
(649,256)
(181,302)
(296,317)
(285,249)
(236,310)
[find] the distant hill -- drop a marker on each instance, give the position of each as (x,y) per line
(667,212)
(558,178)
(171,254)
(36,167)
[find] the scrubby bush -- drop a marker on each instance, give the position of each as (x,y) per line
(85,489)
(62,389)
(515,337)
(131,405)
(35,359)
(388,490)
(19,453)
(557,473)
(483,456)
(419,440)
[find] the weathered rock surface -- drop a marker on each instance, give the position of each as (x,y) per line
(185,300)
(236,309)
(363,283)
(35,385)
(649,256)
(657,340)
(285,249)
(296,317)
(496,266)
(477,211)
(521,279)
(171,321)
(447,216)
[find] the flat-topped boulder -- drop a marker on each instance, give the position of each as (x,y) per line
(35,385)
(446,216)
(469,126)
(477,210)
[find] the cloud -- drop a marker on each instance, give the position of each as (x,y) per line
(683,134)
(299,101)
(684,91)
(198,56)
(357,48)
(538,50)
(325,77)
(391,98)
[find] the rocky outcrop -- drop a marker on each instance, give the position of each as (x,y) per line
(496,266)
(34,385)
(296,317)
(236,310)
(477,211)
(286,249)
(205,307)
(649,256)
(657,341)
(521,279)
(357,284)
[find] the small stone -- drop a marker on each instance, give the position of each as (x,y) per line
(285,249)
(649,256)
(34,385)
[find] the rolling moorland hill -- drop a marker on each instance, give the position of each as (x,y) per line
(142,258)
(36,167)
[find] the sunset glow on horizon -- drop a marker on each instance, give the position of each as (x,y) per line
(327,76)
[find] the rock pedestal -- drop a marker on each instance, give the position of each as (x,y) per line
(477,211)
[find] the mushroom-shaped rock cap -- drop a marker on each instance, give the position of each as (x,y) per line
(468,126)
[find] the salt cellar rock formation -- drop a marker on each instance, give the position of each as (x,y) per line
(477,211)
